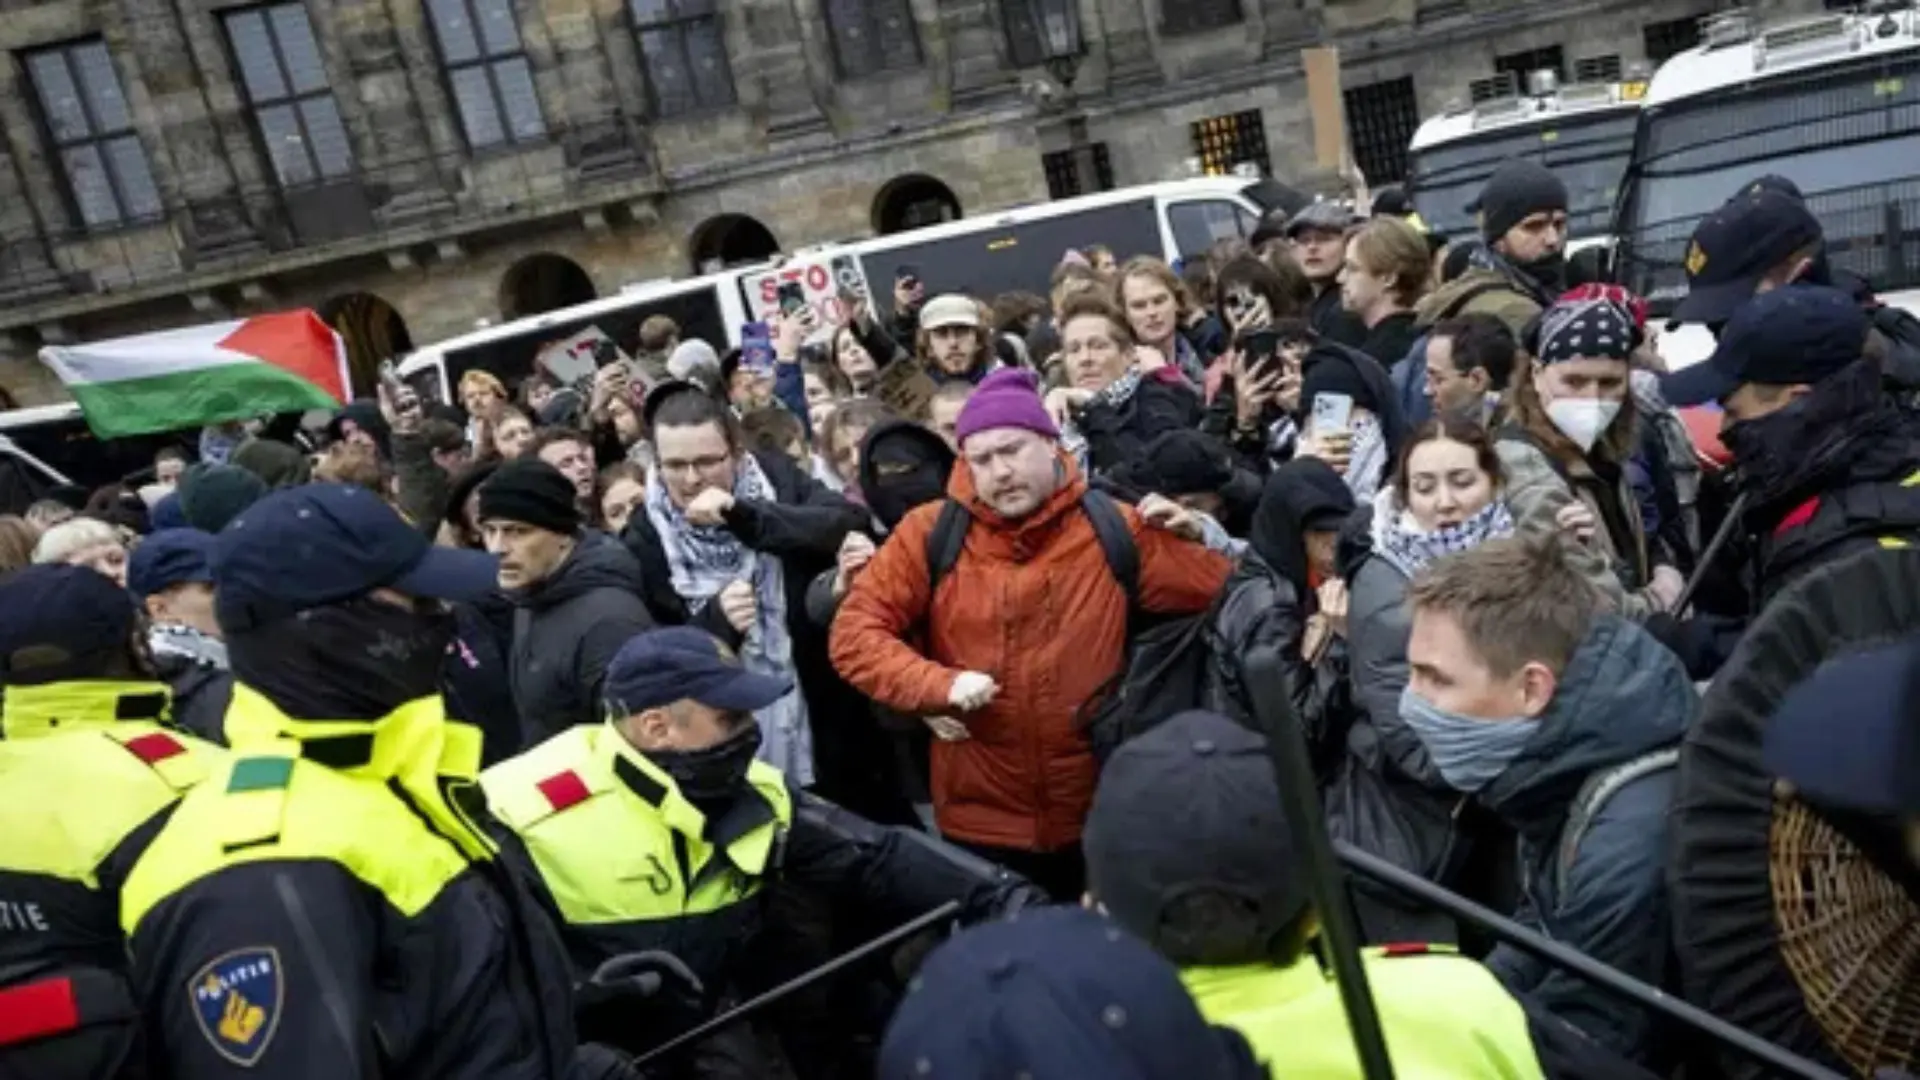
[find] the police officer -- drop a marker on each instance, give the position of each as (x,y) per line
(1187,848)
(326,903)
(659,830)
(85,770)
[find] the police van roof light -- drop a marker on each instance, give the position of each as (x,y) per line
(1724,28)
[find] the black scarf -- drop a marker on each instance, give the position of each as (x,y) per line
(1789,455)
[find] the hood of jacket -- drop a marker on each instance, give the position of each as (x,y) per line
(918,464)
(598,562)
(1622,695)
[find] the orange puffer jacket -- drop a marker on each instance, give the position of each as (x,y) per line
(1033,604)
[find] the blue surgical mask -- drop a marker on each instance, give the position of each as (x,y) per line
(1469,752)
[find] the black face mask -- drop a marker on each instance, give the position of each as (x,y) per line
(358,660)
(712,778)
(1548,271)
(1785,451)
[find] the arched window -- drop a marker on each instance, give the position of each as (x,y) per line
(913,201)
(730,240)
(541,283)
(372,330)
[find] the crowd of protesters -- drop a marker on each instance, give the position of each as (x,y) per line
(1446,485)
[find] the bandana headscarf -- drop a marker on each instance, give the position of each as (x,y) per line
(1585,328)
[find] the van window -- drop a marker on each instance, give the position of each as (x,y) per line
(993,260)
(511,358)
(70,447)
(1196,225)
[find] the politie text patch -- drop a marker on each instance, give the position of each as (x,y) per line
(237,999)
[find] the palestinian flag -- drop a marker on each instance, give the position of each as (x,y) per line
(289,361)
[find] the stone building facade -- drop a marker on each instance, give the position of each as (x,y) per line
(412,167)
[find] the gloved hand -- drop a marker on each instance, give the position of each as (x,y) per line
(637,1000)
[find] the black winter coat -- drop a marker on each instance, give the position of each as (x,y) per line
(201,692)
(1119,434)
(566,631)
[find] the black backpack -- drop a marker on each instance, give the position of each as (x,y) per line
(1166,657)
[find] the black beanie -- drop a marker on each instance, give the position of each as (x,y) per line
(1329,369)
(1187,462)
(1517,188)
(532,492)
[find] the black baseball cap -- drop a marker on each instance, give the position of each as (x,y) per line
(60,622)
(1190,807)
(318,544)
(678,663)
(1795,335)
(1849,736)
(1734,247)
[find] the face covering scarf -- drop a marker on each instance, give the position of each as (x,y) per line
(712,778)
(1468,752)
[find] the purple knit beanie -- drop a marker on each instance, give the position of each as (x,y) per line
(1008,398)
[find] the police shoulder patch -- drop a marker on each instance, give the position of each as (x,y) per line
(237,998)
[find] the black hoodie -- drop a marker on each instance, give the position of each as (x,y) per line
(901,466)
(566,630)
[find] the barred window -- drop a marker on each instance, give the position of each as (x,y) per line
(487,71)
(1063,179)
(286,85)
(685,53)
(90,126)
(871,36)
(1221,142)
(1381,119)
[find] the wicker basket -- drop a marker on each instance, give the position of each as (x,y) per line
(1850,936)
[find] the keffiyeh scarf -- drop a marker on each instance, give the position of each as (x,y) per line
(186,643)
(1367,463)
(1401,541)
(704,559)
(1116,394)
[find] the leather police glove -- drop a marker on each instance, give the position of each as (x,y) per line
(637,1000)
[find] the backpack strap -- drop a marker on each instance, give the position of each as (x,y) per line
(949,536)
(945,541)
(1593,795)
(1116,542)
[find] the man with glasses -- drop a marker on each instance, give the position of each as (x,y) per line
(729,539)
(577,592)
(1469,360)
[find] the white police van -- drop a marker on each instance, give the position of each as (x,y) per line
(1582,131)
(1830,102)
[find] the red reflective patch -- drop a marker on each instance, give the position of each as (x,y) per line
(1798,516)
(1406,948)
(37,1010)
(155,747)
(564,789)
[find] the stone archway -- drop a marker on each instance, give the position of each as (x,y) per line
(541,283)
(372,330)
(730,240)
(913,201)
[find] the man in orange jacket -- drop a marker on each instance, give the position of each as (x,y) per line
(1019,632)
